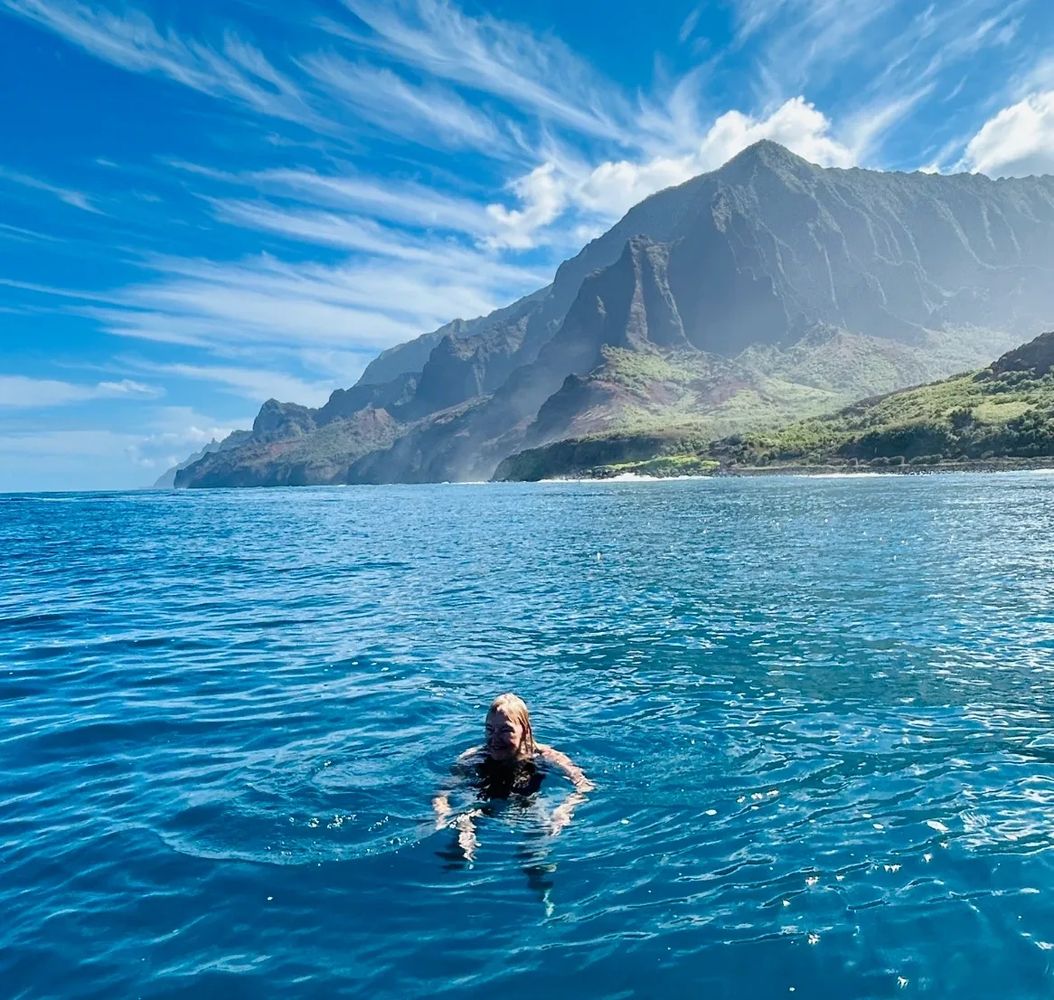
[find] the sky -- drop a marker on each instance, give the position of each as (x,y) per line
(207,204)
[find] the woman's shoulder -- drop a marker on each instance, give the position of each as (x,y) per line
(568,766)
(470,758)
(551,754)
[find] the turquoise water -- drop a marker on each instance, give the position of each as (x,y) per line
(818,713)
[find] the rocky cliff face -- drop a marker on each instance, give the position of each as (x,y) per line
(824,284)
(1035,358)
(167,480)
(324,455)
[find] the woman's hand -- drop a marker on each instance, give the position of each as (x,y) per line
(569,767)
(466,834)
(562,815)
(441,806)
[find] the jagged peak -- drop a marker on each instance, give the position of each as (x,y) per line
(767,153)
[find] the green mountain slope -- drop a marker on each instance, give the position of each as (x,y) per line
(1000,414)
(1003,411)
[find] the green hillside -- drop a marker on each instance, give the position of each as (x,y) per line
(1002,414)
(1005,411)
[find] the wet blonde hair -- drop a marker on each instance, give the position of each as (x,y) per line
(513,706)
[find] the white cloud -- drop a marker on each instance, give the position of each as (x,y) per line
(176,432)
(23,392)
(256,384)
(303,311)
(543,195)
(688,25)
(608,190)
(796,124)
(431,114)
(613,187)
(19,233)
(75,198)
(1016,142)
(79,458)
(233,69)
(66,459)
(495,57)
(397,201)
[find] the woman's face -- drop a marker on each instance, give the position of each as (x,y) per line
(504,735)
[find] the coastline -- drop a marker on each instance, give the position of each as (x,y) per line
(827,471)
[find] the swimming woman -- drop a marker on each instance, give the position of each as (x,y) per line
(509,763)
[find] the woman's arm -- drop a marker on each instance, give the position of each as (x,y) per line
(569,767)
(466,833)
(564,813)
(461,770)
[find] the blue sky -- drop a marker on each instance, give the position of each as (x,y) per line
(206,204)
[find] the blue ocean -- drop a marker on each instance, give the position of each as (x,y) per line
(818,713)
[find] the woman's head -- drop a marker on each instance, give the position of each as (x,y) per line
(509,733)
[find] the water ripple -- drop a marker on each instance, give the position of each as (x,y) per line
(818,713)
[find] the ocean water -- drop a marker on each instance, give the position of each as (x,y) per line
(818,713)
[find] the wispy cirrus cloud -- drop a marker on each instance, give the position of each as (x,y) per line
(22,234)
(328,314)
(327,92)
(403,202)
(457,265)
(430,113)
(231,68)
(486,55)
(24,393)
(899,51)
(418,59)
(75,198)
(234,305)
(412,205)
(254,384)
(325,228)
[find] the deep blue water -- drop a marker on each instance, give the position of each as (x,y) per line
(818,713)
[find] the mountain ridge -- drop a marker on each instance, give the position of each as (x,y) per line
(921,275)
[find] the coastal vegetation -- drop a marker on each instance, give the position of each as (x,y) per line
(1000,415)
